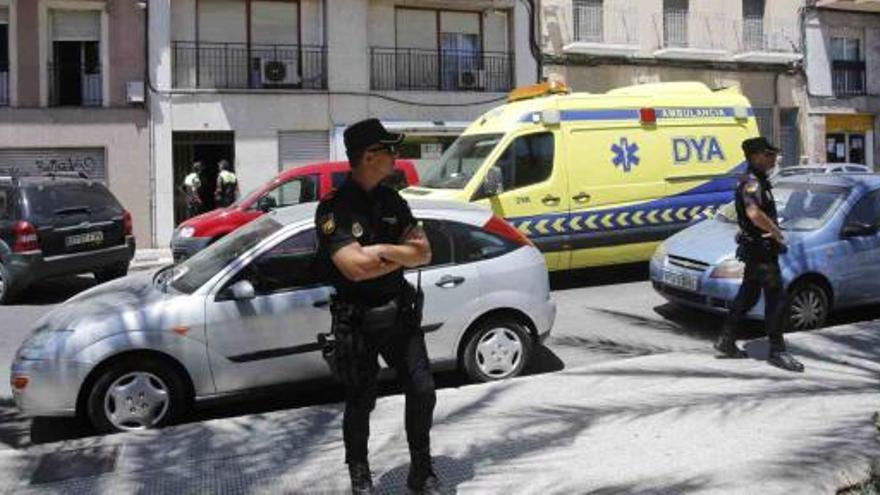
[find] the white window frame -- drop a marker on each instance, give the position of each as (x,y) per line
(10,5)
(95,5)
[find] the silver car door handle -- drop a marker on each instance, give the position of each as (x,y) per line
(581,197)
(448,282)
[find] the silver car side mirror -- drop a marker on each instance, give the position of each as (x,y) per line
(493,184)
(243,290)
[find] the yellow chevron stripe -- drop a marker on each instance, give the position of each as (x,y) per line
(558,224)
(637,217)
(575,224)
(621,219)
(652,216)
(541,226)
(590,222)
(666,215)
(607,220)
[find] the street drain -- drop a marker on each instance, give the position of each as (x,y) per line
(72,464)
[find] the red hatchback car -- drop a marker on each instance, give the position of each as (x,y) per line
(291,187)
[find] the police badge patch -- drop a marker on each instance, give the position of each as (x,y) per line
(357,230)
(328,226)
(752,187)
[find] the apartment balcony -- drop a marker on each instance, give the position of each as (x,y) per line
(762,40)
(604,32)
(75,84)
(416,69)
(4,85)
(683,35)
(239,66)
(848,78)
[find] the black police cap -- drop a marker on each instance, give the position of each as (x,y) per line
(360,135)
(758,145)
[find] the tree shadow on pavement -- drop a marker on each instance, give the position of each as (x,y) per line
(450,470)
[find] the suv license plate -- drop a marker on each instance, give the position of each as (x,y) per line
(96,237)
(680,280)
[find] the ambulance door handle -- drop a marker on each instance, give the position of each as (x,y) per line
(550,200)
(581,197)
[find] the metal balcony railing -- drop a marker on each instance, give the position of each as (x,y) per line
(759,34)
(848,77)
(75,84)
(684,29)
(4,85)
(440,70)
(243,66)
(595,24)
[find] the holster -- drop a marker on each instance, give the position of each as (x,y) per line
(345,349)
(412,304)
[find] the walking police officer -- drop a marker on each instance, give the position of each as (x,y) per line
(760,243)
(366,237)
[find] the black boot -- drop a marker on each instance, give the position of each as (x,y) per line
(422,480)
(361,479)
(727,347)
(784,360)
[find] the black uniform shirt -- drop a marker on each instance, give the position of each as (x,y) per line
(754,189)
(351,214)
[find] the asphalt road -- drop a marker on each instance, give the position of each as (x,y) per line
(603,314)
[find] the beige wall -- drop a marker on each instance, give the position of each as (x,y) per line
(711,23)
(122,133)
(126,48)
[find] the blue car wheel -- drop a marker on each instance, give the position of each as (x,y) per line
(808,306)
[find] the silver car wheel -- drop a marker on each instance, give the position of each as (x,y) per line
(136,401)
(807,309)
(499,352)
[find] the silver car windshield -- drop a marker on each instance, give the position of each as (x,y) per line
(801,207)
(461,161)
(194,272)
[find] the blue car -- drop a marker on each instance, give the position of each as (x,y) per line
(833,261)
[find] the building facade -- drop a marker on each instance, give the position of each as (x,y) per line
(71,95)
(271,84)
(843,101)
(597,45)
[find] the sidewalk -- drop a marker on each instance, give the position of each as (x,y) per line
(667,423)
(147,259)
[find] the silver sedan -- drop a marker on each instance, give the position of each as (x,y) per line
(246,312)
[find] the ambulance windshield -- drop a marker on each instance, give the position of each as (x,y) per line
(461,161)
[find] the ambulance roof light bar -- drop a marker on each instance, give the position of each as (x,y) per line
(551,86)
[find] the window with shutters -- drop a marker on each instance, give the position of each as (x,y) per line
(4,56)
(847,65)
(75,58)
(250,44)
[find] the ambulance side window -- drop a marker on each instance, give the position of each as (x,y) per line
(527,160)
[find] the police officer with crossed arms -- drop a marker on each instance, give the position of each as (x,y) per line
(367,236)
(760,243)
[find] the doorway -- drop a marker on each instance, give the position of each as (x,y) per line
(846,147)
(208,148)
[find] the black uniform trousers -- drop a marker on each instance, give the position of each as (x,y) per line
(761,274)
(404,350)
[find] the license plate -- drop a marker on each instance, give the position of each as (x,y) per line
(96,237)
(681,280)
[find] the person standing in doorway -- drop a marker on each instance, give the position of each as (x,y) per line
(760,243)
(192,185)
(366,237)
(226,191)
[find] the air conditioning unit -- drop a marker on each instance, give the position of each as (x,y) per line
(279,72)
(472,79)
(134,92)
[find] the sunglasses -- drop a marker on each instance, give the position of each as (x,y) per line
(392,149)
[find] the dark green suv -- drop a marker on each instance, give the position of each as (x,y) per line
(60,224)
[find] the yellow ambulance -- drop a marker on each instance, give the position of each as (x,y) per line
(599,179)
